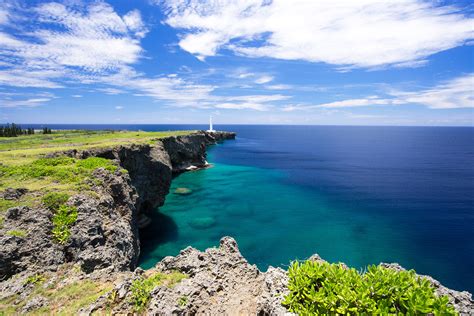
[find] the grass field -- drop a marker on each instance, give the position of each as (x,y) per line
(23,163)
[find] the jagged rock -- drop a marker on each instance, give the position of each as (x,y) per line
(33,251)
(35,303)
(13,194)
(221,282)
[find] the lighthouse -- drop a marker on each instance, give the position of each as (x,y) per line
(210,125)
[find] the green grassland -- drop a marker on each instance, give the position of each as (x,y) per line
(64,297)
(23,162)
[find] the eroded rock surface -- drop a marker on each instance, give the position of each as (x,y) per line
(220,282)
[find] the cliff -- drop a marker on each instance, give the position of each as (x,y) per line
(105,234)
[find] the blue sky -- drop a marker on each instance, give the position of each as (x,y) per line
(365,62)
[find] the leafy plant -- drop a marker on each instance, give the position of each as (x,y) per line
(63,219)
(323,288)
(183,301)
(35,279)
(141,288)
(93,163)
(17,233)
(54,200)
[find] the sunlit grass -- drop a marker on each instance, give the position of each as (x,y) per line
(64,298)
(23,163)
(26,148)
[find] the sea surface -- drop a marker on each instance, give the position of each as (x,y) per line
(359,195)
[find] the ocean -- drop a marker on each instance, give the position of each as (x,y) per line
(359,195)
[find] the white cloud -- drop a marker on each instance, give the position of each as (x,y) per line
(243,105)
(12,99)
(3,15)
(68,42)
(111,91)
(23,78)
(134,22)
(259,98)
(245,75)
(119,107)
(452,94)
(279,87)
(264,79)
(456,93)
(92,44)
(364,33)
(76,96)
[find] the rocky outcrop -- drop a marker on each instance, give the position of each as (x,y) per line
(32,247)
(220,282)
(105,234)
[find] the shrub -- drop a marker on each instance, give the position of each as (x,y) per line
(93,163)
(183,301)
(323,288)
(35,279)
(63,219)
(54,200)
(141,288)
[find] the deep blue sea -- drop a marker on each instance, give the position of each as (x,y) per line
(360,195)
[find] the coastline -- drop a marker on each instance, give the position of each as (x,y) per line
(104,246)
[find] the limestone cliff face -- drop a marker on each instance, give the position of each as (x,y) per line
(105,234)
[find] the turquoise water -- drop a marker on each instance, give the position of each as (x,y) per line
(361,195)
(273,222)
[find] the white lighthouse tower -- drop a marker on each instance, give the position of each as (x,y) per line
(210,125)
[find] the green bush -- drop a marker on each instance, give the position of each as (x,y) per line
(142,287)
(63,219)
(35,279)
(183,301)
(54,200)
(61,169)
(323,288)
(93,163)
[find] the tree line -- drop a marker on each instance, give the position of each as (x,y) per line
(14,130)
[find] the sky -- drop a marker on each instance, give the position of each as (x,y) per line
(332,62)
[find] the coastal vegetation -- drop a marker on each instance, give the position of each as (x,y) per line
(63,219)
(321,288)
(141,288)
(64,291)
(30,162)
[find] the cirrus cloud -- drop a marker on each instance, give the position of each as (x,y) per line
(364,33)
(452,94)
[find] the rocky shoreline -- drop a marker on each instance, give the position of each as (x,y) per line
(104,245)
